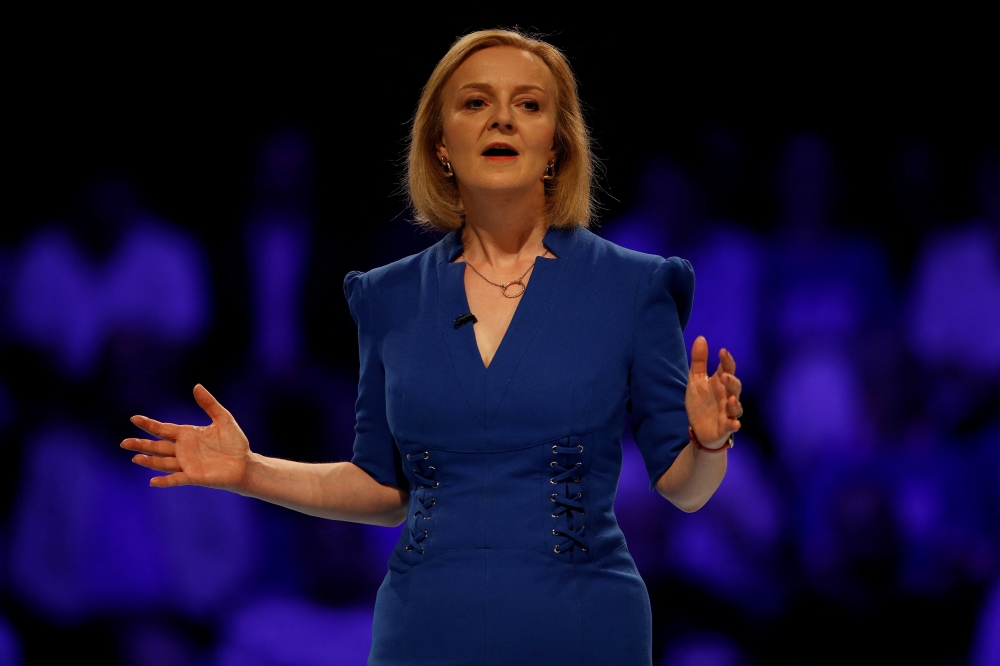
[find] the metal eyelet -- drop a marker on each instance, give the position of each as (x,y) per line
(586,550)
(555,515)
(409,549)
(553,481)
(575,479)
(554,533)
(557,551)
(436,484)
(425,533)
(578,496)
(578,464)
(433,502)
(553,463)
(553,498)
(580,446)
(554,451)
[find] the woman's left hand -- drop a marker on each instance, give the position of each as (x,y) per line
(712,401)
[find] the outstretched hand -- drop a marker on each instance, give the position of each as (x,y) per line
(712,401)
(216,455)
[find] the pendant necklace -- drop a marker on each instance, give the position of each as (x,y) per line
(503,287)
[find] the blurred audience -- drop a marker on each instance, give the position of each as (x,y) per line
(292,631)
(826,290)
(953,317)
(865,494)
(81,520)
(149,283)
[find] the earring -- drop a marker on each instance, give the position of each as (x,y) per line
(448,173)
(550,171)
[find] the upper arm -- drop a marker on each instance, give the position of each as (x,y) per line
(658,377)
(375,450)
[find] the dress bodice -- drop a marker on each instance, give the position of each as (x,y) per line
(524,453)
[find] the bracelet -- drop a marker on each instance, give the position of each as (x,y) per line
(701,447)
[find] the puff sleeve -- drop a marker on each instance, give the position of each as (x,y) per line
(659,372)
(375,449)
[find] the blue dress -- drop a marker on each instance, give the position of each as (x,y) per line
(511,553)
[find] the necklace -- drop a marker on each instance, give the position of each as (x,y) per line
(503,287)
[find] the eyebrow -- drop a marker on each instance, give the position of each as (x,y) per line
(486,86)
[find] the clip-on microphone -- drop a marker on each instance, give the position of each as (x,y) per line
(462,320)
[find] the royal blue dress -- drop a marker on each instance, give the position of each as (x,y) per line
(511,553)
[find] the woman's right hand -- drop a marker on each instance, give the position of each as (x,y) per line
(216,456)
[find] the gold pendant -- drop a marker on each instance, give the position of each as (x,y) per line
(517,282)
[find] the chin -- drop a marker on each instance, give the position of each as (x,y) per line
(500,183)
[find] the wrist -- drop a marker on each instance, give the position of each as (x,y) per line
(256,464)
(711,447)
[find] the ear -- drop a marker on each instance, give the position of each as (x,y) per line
(441,150)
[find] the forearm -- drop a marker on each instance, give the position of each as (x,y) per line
(693,478)
(338,491)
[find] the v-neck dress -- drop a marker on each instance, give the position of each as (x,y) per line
(511,553)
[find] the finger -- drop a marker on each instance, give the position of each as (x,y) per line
(699,356)
(733,385)
(157,429)
(726,361)
(212,407)
(153,447)
(157,463)
(170,480)
(733,408)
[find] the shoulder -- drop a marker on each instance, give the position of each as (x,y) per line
(405,273)
(617,260)
(653,278)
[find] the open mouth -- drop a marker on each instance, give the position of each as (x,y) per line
(499,151)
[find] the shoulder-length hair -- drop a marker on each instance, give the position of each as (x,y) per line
(434,196)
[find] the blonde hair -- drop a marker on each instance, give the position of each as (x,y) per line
(434,196)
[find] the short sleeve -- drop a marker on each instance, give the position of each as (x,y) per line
(659,373)
(375,449)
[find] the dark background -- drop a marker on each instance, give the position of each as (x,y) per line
(180,105)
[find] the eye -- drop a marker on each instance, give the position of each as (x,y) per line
(530,105)
(475,103)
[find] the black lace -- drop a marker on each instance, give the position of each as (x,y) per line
(423,500)
(568,500)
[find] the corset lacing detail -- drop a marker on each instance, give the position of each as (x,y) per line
(423,500)
(568,500)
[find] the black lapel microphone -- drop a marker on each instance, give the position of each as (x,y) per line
(462,320)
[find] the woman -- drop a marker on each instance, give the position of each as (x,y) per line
(497,368)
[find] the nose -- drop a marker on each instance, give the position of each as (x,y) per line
(503,119)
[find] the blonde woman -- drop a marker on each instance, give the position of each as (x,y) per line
(497,369)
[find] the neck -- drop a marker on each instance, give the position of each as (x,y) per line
(504,229)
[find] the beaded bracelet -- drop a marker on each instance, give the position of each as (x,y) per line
(701,447)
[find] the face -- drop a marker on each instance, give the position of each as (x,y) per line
(499,121)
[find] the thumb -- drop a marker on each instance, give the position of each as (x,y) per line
(207,402)
(699,356)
